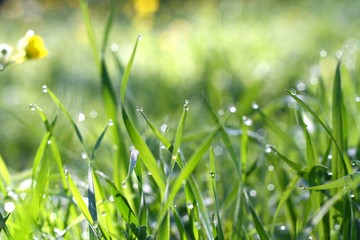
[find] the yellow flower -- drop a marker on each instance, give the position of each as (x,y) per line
(146,7)
(33,46)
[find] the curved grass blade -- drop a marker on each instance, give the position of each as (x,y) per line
(145,154)
(133,159)
(108,27)
(125,78)
(179,224)
(3,225)
(328,131)
(4,172)
(185,173)
(348,182)
(226,139)
(122,204)
(68,116)
(258,225)
(98,142)
(79,200)
(284,196)
(90,31)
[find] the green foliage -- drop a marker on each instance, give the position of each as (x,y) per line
(273,171)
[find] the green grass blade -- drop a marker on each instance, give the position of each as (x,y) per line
(179,131)
(112,110)
(145,154)
(258,225)
(90,31)
(4,172)
(3,225)
(348,182)
(127,71)
(133,159)
(40,154)
(164,230)
(79,200)
(186,172)
(316,117)
(108,27)
(284,196)
(180,225)
(98,142)
(121,202)
(226,139)
(69,118)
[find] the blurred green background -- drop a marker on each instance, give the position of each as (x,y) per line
(235,52)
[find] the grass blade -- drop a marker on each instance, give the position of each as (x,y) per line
(258,225)
(108,27)
(145,154)
(90,31)
(348,182)
(186,172)
(127,71)
(4,172)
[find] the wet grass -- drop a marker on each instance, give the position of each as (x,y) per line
(287,169)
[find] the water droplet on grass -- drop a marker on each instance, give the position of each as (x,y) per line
(190,206)
(32,106)
(283,228)
(292,92)
(255,106)
(123,184)
(323,53)
(140,37)
(253,193)
(80,117)
(212,174)
(270,187)
(110,123)
(163,127)
(139,108)
(247,121)
(232,109)
(186,105)
(197,225)
(221,112)
(49,142)
(270,168)
(9,207)
(44,89)
(268,148)
(357,99)
(114,47)
(84,155)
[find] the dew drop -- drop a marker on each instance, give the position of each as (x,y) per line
(357,99)
(183,181)
(190,206)
(139,108)
(9,207)
(253,193)
(163,127)
(80,117)
(282,228)
(352,195)
(292,92)
(140,37)
(123,184)
(329,173)
(44,89)
(323,53)
(221,112)
(270,187)
(84,155)
(255,106)
(270,168)
(197,225)
(32,106)
(186,105)
(232,109)
(114,47)
(268,148)
(49,142)
(110,123)
(103,214)
(212,174)
(149,173)
(247,121)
